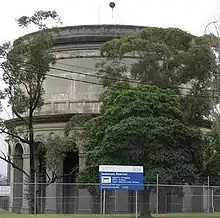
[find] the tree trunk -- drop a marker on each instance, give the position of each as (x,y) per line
(32,163)
(43,180)
(41,190)
(32,181)
(145,203)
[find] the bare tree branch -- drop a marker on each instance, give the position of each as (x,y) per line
(14,165)
(68,174)
(55,177)
(48,177)
(14,136)
(25,85)
(19,116)
(3,154)
(37,95)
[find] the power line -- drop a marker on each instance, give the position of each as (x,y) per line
(95,83)
(92,75)
(80,73)
(130,81)
(112,86)
(97,76)
(9,115)
(122,80)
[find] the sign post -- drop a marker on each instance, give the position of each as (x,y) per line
(136,199)
(113,177)
(101,202)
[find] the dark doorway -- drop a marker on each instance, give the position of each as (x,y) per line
(70,191)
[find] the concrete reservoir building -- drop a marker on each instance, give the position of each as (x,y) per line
(77,49)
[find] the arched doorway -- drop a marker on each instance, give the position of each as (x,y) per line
(70,169)
(18,178)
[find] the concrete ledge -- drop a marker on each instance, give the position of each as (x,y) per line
(89,33)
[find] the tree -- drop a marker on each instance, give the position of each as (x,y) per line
(167,58)
(26,63)
(212,150)
(143,125)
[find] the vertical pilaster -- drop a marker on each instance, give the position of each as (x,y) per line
(26,181)
(11,187)
(82,157)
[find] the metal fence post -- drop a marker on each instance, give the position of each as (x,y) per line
(104,202)
(208,196)
(212,197)
(101,202)
(115,201)
(157,203)
(136,204)
(35,193)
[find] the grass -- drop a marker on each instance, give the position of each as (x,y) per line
(4,214)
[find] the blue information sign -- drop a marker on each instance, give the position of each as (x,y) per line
(121,177)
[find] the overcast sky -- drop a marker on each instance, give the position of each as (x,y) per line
(189,15)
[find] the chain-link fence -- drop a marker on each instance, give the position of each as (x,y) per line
(88,199)
(4,196)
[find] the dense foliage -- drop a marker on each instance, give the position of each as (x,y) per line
(143,126)
(167,58)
